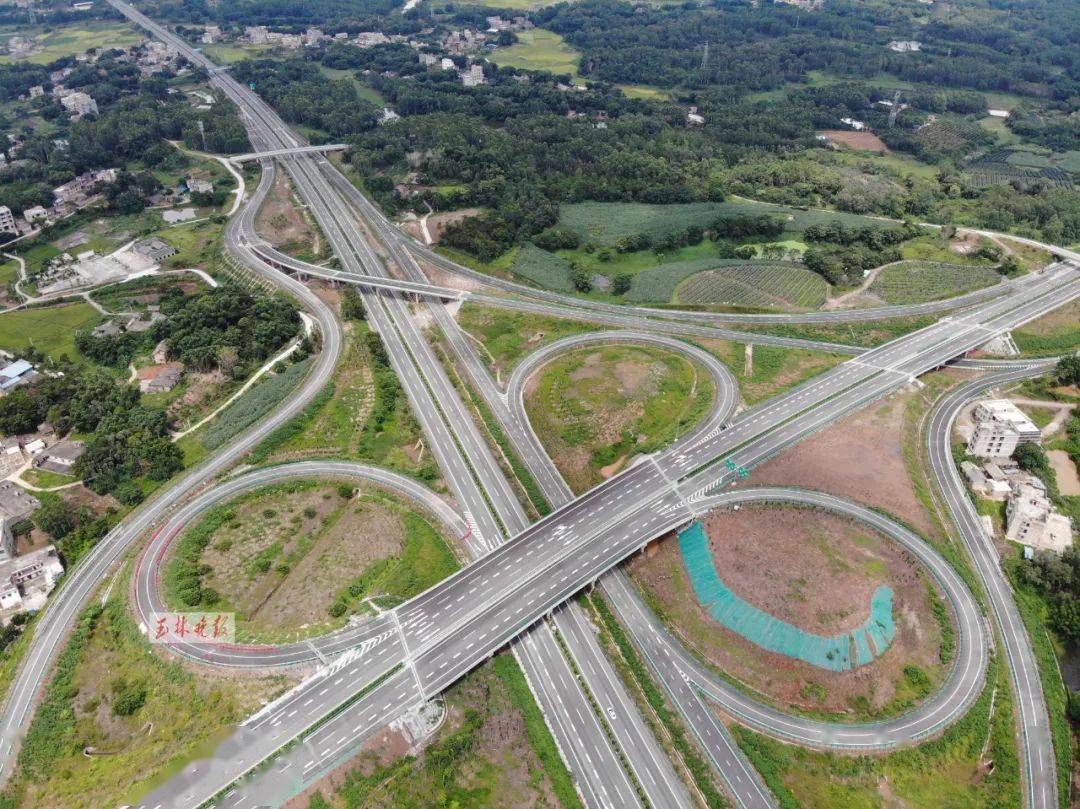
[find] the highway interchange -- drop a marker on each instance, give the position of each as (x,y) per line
(525,572)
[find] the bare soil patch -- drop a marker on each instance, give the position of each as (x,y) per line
(816,571)
(283,559)
(862,141)
(1065,469)
(860,457)
(281,223)
(438,223)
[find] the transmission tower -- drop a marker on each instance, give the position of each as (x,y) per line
(202,133)
(30,12)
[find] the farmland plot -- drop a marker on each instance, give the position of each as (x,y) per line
(756,285)
(918,281)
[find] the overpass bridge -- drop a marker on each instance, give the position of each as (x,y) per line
(325,147)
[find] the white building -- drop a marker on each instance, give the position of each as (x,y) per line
(999,427)
(473,76)
(905,45)
(35,214)
(1032,521)
(257,34)
(858,126)
(27,580)
(369,39)
(7,220)
(79,103)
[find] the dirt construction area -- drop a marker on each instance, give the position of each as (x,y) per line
(861,141)
(282,224)
(860,457)
(288,551)
(818,572)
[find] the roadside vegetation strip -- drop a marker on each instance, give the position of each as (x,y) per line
(1033,611)
(254,404)
(292,428)
(496,435)
(296,741)
(601,718)
(507,669)
(948,770)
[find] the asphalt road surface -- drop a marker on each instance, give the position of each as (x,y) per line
(441,636)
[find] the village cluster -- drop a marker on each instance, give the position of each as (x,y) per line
(998,428)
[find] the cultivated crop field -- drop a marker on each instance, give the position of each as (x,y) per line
(919,281)
(544,269)
(757,285)
(1005,165)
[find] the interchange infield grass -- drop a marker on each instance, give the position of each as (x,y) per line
(597,407)
(297,559)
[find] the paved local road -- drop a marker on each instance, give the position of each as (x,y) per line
(447,630)
(80,583)
(1036,750)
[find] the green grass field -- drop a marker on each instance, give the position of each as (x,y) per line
(70,40)
(919,281)
(51,330)
(1054,333)
(228,52)
(595,408)
(509,336)
(646,91)
(774,370)
(364,91)
(537,49)
(45,479)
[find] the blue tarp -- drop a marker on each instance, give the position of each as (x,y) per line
(834,653)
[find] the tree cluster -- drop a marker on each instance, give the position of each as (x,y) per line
(224,327)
